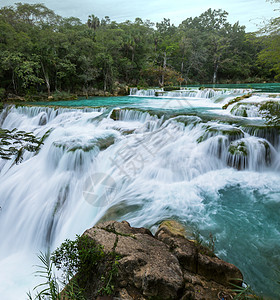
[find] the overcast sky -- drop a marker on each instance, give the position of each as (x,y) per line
(247,12)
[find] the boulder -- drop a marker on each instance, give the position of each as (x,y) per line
(146,263)
(164,266)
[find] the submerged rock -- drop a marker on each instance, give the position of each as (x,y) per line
(164,266)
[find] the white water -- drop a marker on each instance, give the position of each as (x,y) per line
(152,169)
(187,93)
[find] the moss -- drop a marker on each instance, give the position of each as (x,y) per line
(237,99)
(174,228)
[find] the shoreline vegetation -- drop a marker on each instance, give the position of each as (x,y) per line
(43,55)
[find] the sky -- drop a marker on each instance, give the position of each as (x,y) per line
(250,13)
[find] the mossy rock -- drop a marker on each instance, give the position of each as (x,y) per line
(115,114)
(159,94)
(237,99)
(238,148)
(174,228)
(233,133)
(240,109)
(170,88)
(74,145)
(239,153)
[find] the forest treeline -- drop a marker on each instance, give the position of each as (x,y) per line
(41,52)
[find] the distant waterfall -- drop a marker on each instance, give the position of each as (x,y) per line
(186,92)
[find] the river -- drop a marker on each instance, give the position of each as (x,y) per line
(145,158)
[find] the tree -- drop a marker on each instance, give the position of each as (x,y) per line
(270,55)
(93,22)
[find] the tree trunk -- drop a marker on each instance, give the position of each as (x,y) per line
(46,76)
(105,81)
(164,68)
(14,83)
(216,67)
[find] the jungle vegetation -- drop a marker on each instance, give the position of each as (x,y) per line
(42,52)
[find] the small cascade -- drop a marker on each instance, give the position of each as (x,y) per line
(250,153)
(250,110)
(269,133)
(144,93)
(39,115)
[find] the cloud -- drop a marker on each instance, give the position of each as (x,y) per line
(247,12)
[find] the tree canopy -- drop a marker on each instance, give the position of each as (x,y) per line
(43,52)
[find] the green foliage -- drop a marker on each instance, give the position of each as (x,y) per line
(45,53)
(2,93)
(170,88)
(243,292)
(49,288)
(80,257)
(83,263)
(15,143)
(42,51)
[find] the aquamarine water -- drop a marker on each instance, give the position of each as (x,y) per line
(144,160)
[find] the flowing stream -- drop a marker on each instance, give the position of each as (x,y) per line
(144,159)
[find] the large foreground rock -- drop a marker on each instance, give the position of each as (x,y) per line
(164,266)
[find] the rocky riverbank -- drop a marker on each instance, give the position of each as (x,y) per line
(162,266)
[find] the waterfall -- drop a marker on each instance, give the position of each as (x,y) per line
(121,163)
(206,93)
(144,93)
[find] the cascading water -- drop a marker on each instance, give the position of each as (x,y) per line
(187,92)
(101,164)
